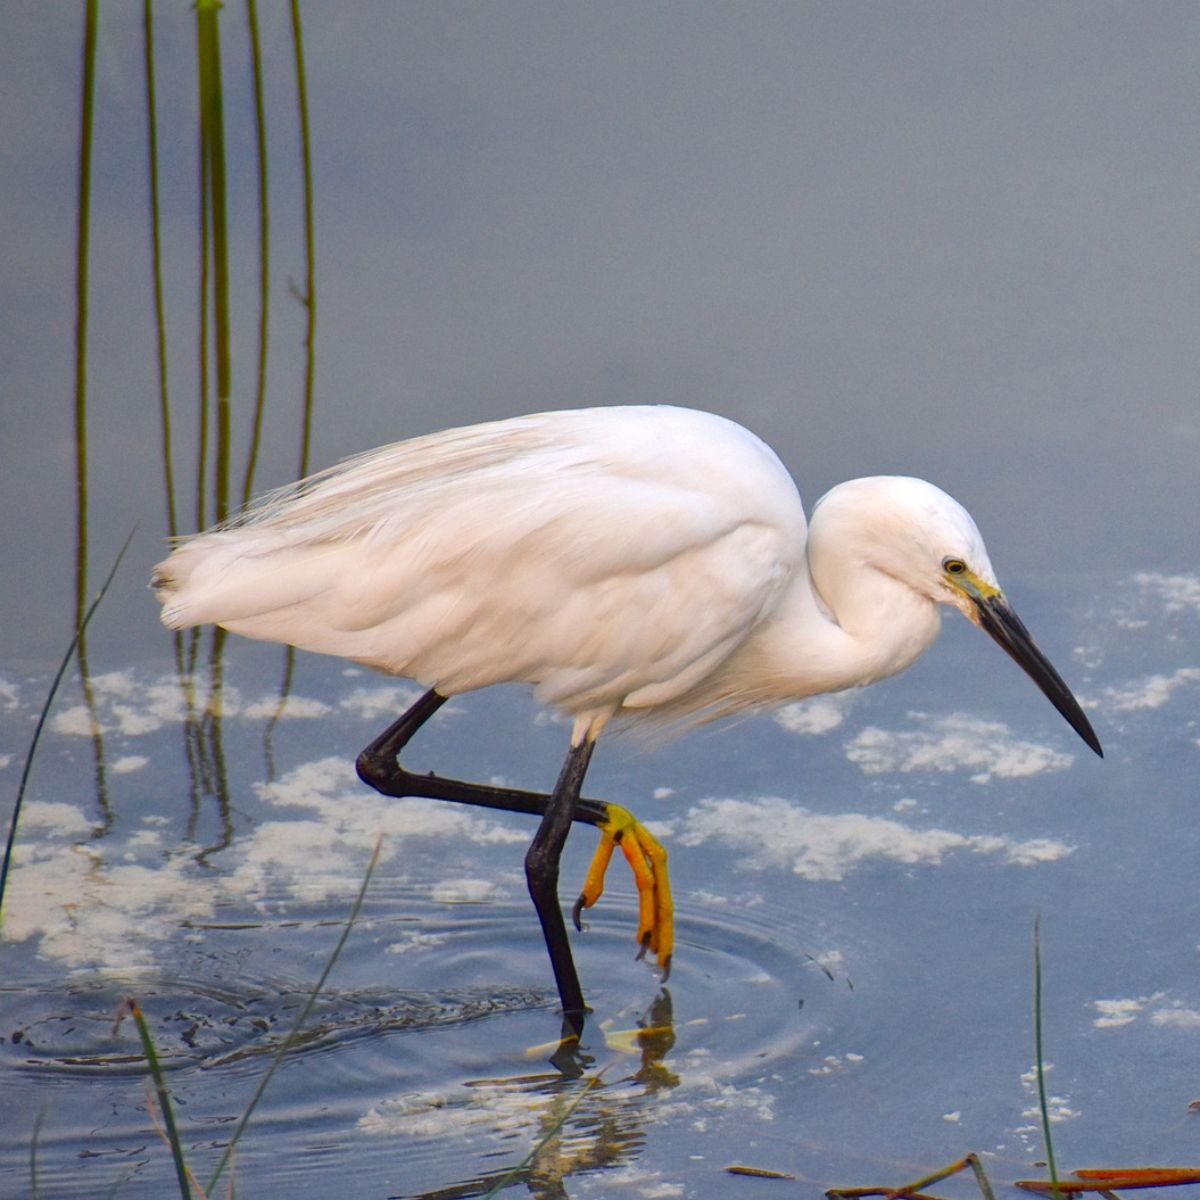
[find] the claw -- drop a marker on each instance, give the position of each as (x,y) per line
(648,861)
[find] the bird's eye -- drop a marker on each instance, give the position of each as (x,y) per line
(953,566)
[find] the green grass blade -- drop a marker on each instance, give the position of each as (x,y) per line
(294,1032)
(44,714)
(202,363)
(1038,1051)
(34,1188)
(164,1097)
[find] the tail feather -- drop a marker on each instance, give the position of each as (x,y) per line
(222,579)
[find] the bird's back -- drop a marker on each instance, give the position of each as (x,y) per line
(607,555)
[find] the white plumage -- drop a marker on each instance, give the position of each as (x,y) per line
(631,560)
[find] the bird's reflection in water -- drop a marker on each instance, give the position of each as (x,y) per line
(585,1122)
(656,1039)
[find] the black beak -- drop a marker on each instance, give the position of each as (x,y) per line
(1004,626)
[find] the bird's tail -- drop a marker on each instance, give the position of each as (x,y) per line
(226,580)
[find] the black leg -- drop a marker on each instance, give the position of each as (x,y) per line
(378,767)
(541,874)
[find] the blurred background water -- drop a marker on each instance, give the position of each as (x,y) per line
(945,240)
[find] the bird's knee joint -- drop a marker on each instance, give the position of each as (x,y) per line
(382,773)
(367,765)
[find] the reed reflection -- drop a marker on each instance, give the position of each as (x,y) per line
(221,441)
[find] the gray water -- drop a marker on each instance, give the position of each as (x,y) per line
(942,240)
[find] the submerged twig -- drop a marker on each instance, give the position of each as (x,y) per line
(757,1172)
(916,1189)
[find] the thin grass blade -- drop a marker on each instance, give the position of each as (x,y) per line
(294,1032)
(1043,1105)
(34,1187)
(164,1096)
(42,716)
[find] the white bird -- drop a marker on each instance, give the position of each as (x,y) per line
(633,563)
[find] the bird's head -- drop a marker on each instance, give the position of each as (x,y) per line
(916,533)
(907,529)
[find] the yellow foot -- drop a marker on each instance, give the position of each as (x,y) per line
(648,860)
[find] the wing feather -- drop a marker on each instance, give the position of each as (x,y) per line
(605,555)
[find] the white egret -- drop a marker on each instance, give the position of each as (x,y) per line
(633,563)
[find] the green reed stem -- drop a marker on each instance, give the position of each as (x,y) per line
(309,299)
(82,267)
(203,382)
(82,247)
(310,283)
(212,121)
(264,250)
(160,319)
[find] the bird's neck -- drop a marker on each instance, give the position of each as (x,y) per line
(854,627)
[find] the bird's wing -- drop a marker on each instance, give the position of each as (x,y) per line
(607,556)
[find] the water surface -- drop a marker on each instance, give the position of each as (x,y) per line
(944,242)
